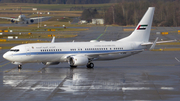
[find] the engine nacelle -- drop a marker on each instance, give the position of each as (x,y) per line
(12,21)
(50,63)
(31,20)
(78,60)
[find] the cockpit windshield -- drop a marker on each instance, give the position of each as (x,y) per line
(14,50)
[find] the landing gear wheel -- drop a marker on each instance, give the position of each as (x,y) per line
(90,65)
(19,67)
(72,66)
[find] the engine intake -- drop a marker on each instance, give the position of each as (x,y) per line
(12,21)
(78,60)
(31,20)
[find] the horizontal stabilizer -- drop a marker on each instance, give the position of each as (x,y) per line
(150,43)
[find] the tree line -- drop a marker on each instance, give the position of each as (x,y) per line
(74,1)
(89,14)
(167,13)
(124,12)
(58,1)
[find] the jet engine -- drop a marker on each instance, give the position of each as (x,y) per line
(50,63)
(31,20)
(78,60)
(12,21)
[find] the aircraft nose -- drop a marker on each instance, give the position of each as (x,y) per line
(5,56)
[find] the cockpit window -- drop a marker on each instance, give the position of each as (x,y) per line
(14,50)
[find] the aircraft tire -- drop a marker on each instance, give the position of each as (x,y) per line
(72,66)
(90,65)
(19,67)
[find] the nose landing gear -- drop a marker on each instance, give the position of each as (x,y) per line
(19,67)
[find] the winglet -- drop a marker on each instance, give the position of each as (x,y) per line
(154,44)
(53,39)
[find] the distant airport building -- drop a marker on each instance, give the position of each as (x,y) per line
(97,21)
(82,21)
(34,9)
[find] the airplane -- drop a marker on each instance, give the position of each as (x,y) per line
(22,18)
(84,53)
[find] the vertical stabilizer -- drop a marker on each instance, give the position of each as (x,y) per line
(142,32)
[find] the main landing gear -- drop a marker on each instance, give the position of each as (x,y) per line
(90,65)
(72,66)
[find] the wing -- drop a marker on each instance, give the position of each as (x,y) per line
(96,54)
(6,18)
(40,17)
(9,18)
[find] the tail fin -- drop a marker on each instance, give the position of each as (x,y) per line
(142,31)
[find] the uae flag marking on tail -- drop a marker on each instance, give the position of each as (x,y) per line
(142,27)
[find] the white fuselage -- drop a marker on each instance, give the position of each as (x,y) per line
(22,18)
(58,52)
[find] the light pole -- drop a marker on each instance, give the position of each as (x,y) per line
(113,14)
(38,20)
